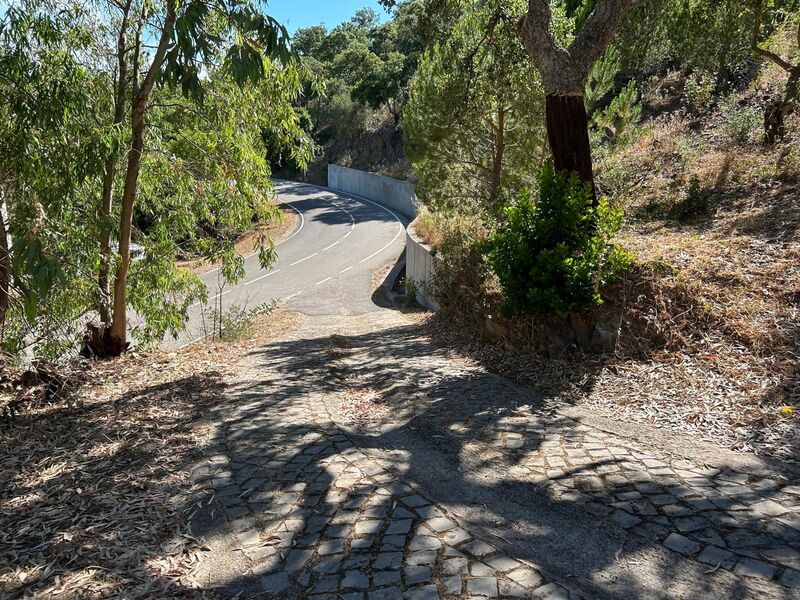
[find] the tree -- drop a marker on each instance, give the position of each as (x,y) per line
(564,72)
(473,121)
(783,106)
(365,18)
(52,151)
(188,37)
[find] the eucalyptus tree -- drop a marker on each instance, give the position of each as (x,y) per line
(52,150)
(172,43)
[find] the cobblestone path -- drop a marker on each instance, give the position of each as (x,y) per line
(306,476)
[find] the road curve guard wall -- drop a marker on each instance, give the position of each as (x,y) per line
(400,197)
(392,193)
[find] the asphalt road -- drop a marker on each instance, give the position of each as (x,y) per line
(325,267)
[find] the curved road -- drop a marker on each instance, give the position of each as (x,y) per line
(325,267)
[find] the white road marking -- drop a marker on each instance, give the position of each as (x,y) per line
(323,281)
(346,270)
(292,296)
(402,229)
(262,277)
(214,297)
(302,224)
(297,262)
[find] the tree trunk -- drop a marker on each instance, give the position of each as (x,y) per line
(141,96)
(5,273)
(499,154)
(119,323)
(104,213)
(776,111)
(568,135)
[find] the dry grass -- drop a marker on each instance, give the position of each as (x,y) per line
(710,331)
(95,498)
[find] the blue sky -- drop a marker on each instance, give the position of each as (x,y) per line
(296,14)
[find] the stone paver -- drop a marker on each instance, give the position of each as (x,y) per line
(316,517)
(312,513)
(702,511)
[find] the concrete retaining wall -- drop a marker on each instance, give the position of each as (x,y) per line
(420,264)
(400,197)
(392,193)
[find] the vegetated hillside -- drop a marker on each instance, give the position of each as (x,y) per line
(378,149)
(710,321)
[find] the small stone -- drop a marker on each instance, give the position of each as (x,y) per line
(755,568)
(399,527)
(483,586)
(502,563)
(417,574)
(551,591)
(355,580)
(427,592)
(440,524)
(681,544)
(625,519)
(452,585)
(591,484)
(389,560)
(380,578)
(711,555)
(275,583)
(690,524)
(509,588)
(769,508)
(526,576)
(479,569)
(791,578)
(479,548)
(456,536)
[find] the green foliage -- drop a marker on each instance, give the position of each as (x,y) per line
(474,121)
(742,122)
(235,323)
(601,79)
(205,174)
(555,253)
(622,113)
(699,90)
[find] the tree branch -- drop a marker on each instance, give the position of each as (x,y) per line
(763,52)
(597,32)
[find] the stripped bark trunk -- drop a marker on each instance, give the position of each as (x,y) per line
(568,135)
(775,112)
(564,73)
(142,92)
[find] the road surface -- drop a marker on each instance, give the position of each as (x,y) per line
(326,266)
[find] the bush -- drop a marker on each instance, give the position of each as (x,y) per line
(555,253)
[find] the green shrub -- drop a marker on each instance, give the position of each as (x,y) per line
(622,114)
(555,253)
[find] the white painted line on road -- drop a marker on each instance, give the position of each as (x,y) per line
(346,270)
(214,297)
(262,277)
(297,262)
(292,296)
(302,224)
(323,281)
(397,235)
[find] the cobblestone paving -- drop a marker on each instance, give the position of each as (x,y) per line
(747,522)
(316,518)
